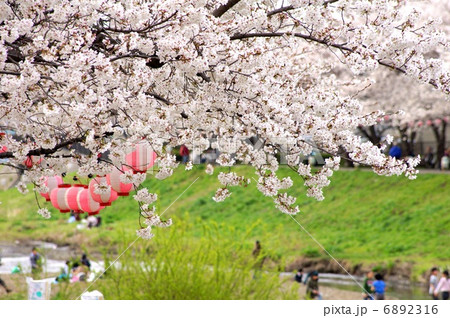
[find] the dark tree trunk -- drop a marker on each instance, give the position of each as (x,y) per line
(408,140)
(371,134)
(344,154)
(439,134)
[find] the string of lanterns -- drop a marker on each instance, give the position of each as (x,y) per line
(82,198)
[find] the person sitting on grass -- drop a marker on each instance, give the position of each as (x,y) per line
(85,261)
(379,287)
(65,273)
(79,273)
(312,289)
(299,275)
(3,284)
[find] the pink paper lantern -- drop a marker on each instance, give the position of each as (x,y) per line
(437,122)
(142,158)
(72,195)
(86,203)
(104,199)
(51,183)
(429,122)
(113,179)
(58,198)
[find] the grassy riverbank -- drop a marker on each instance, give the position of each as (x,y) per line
(364,219)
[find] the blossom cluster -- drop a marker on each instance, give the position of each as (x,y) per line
(45,213)
(144,196)
(102,187)
(151,220)
(83,81)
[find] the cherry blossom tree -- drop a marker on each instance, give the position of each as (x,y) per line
(410,108)
(102,76)
(420,106)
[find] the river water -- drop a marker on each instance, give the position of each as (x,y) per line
(13,255)
(399,289)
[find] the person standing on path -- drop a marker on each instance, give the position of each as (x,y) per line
(312,289)
(395,151)
(184,152)
(259,259)
(443,286)
(257,249)
(379,287)
(433,283)
(368,282)
(35,260)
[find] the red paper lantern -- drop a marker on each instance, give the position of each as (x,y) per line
(142,158)
(104,199)
(58,198)
(86,203)
(51,183)
(113,180)
(31,161)
(3,148)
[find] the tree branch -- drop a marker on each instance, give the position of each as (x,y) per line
(10,73)
(143,30)
(220,11)
(290,7)
(46,152)
(240,36)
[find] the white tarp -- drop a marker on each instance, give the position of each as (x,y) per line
(39,289)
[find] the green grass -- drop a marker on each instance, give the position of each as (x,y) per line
(364,218)
(176,265)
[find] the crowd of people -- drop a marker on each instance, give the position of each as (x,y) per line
(311,280)
(375,286)
(439,286)
(430,160)
(89,221)
(75,271)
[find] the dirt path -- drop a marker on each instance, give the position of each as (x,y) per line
(18,285)
(328,293)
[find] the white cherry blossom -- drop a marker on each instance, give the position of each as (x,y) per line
(82,82)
